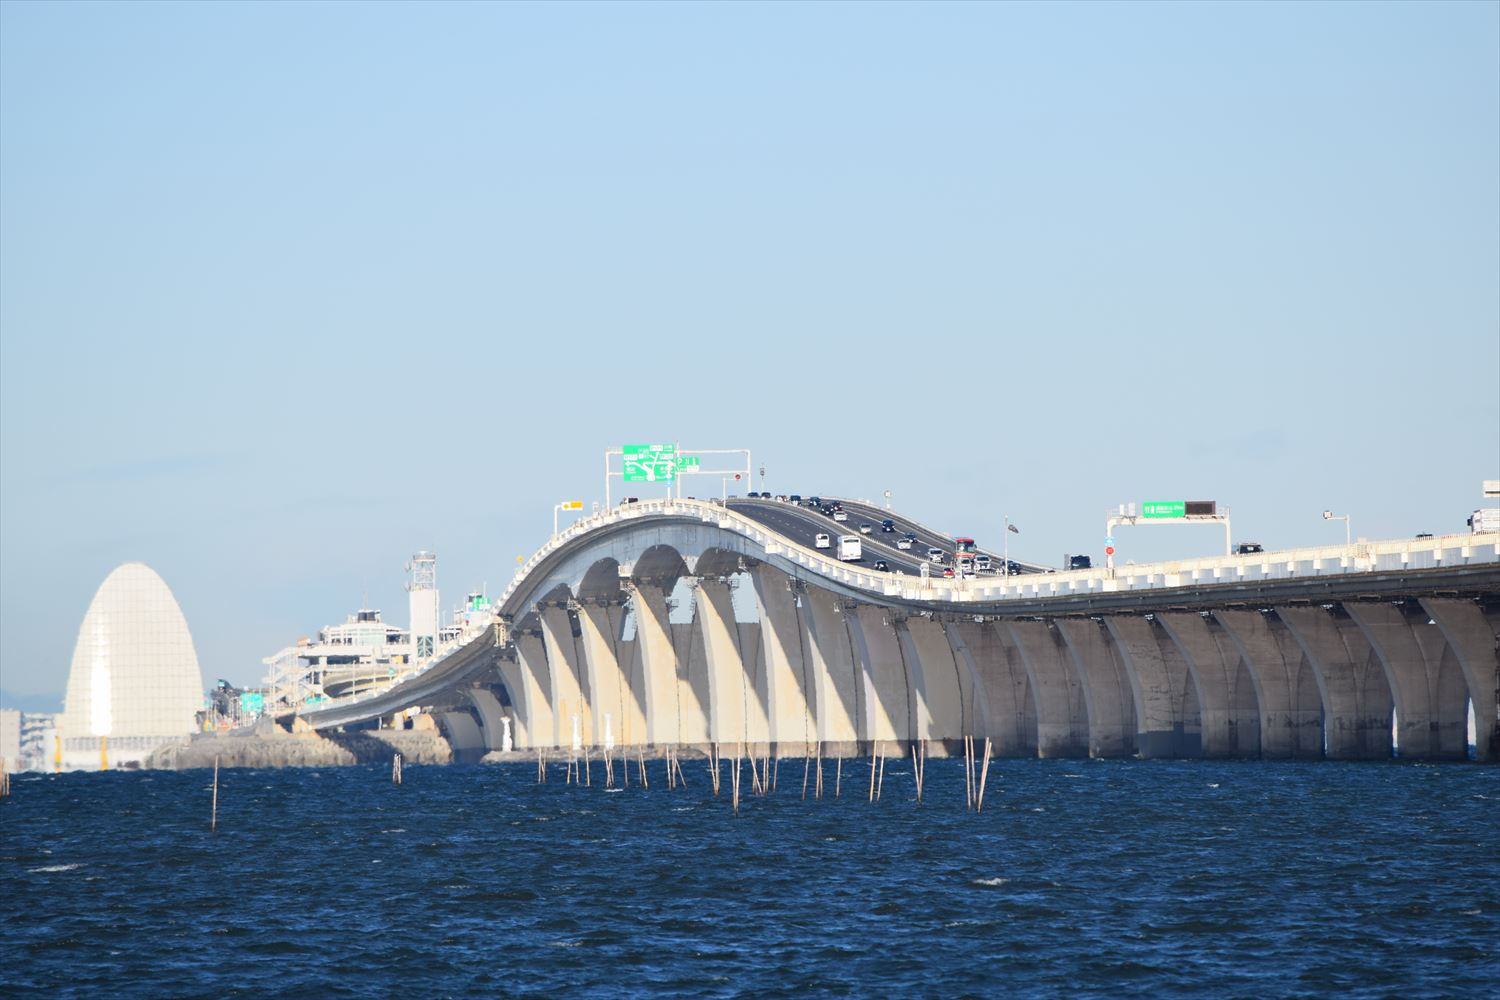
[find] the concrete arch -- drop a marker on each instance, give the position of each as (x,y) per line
(1229,706)
(1356,696)
(1106,688)
(1061,708)
(1291,704)
(1430,691)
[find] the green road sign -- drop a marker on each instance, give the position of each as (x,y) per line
(650,463)
(687,463)
(1163,508)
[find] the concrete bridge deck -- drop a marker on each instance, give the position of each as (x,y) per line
(686,623)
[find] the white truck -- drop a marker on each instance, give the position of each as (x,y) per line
(850,548)
(1485,519)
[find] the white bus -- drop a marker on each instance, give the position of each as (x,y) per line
(850,548)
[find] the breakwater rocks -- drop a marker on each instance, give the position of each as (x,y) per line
(268,745)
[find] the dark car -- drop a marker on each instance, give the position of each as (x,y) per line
(1246,548)
(795,498)
(1080,562)
(887,525)
(1013,568)
(882,566)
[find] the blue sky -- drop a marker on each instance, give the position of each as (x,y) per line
(288,292)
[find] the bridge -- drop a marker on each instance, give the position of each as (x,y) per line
(686,623)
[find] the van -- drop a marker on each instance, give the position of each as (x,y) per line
(821,541)
(935,555)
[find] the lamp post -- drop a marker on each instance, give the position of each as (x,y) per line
(1329,515)
(1009,529)
(887,499)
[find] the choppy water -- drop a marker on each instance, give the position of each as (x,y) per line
(1080,877)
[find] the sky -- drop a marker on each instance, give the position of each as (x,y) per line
(291,291)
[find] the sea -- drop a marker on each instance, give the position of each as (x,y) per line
(1078,878)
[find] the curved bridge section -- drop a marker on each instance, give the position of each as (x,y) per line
(678,623)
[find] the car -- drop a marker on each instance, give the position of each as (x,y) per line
(841,514)
(981,562)
(821,541)
(1080,562)
(866,527)
(1013,568)
(626,500)
(903,543)
(935,555)
(882,566)
(795,498)
(887,525)
(1247,548)
(815,501)
(1425,534)
(947,572)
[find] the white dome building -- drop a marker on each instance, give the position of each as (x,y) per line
(134,684)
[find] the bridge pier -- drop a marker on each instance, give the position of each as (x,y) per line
(657,651)
(1474,643)
(569,698)
(1291,707)
(491,713)
(1062,720)
(542,724)
(735,715)
(833,674)
(1166,708)
(1432,697)
(1227,703)
(1357,700)
(885,695)
(1106,688)
(941,692)
(789,721)
(995,688)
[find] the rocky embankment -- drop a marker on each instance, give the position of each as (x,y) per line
(268,745)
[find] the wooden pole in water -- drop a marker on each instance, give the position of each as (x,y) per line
(775,771)
(968,778)
(838,775)
(213,821)
(735,778)
(872,772)
(880,784)
(984,775)
(806,770)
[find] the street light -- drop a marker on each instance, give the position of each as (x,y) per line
(1329,515)
(1009,529)
(887,499)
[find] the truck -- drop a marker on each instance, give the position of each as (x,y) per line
(850,548)
(1485,519)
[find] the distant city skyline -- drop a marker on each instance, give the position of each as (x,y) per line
(291,292)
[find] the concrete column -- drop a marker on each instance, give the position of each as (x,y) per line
(1227,703)
(834,671)
(1165,726)
(658,691)
(1106,688)
(885,695)
(514,675)
(599,627)
(1356,697)
(1472,640)
(569,698)
(1291,706)
(543,727)
(692,681)
(462,732)
(790,722)
(995,686)
(730,702)
(490,712)
(1432,703)
(941,706)
(1062,721)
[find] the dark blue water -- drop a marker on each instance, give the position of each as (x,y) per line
(1080,877)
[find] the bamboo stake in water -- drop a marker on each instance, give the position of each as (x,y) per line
(736,780)
(213,822)
(775,770)
(806,770)
(818,789)
(880,784)
(968,775)
(984,775)
(838,775)
(640,757)
(872,772)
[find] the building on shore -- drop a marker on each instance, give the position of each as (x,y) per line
(134,683)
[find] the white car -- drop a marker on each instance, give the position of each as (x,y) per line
(841,515)
(821,541)
(865,529)
(903,543)
(935,555)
